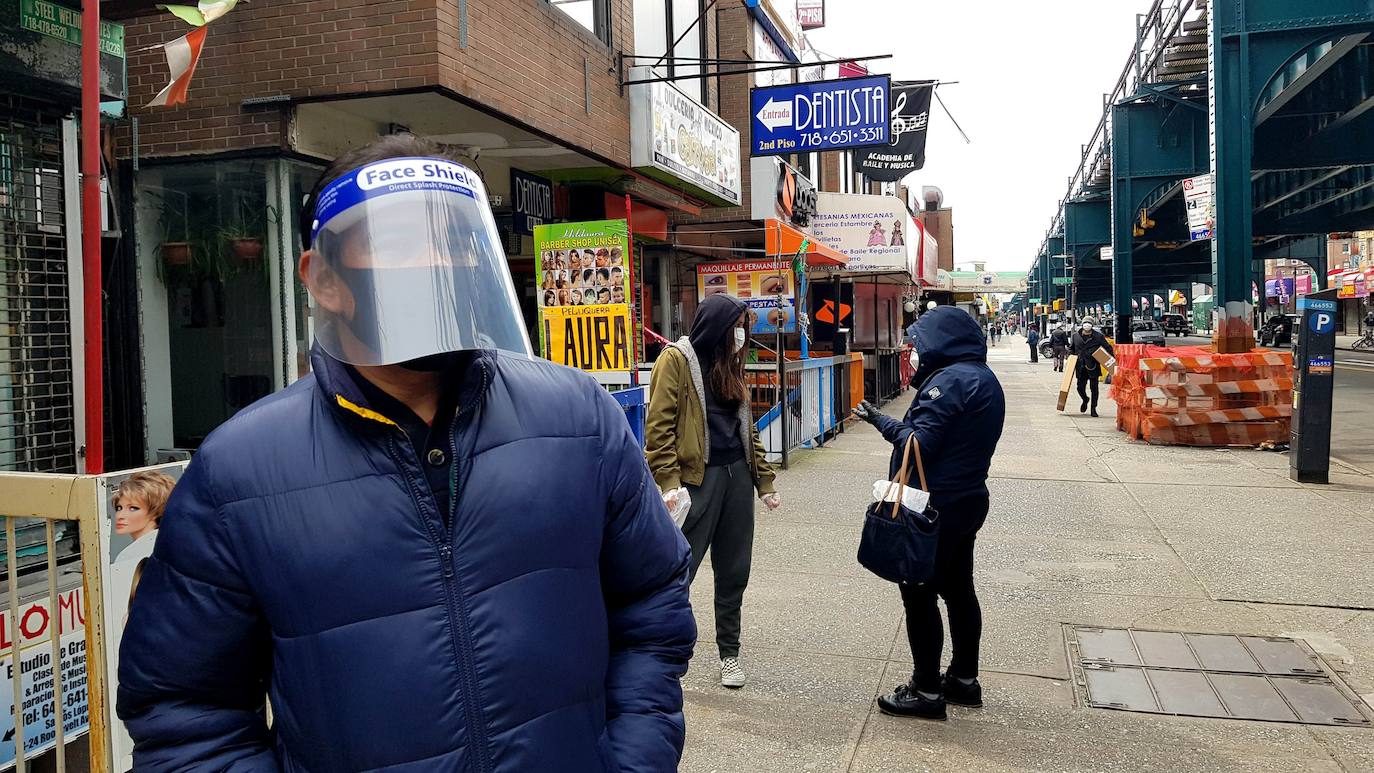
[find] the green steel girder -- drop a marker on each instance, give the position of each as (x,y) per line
(1309,249)
(1241,17)
(1252,42)
(1155,143)
(1349,144)
(1087,226)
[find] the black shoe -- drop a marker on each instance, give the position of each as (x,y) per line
(906,702)
(961,694)
(1084,407)
(1094,413)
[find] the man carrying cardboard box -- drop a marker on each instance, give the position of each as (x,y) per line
(1087,344)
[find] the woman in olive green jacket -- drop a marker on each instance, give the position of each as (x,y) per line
(707,458)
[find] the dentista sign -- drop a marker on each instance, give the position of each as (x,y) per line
(819,116)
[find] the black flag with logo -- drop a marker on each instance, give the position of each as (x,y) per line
(907,151)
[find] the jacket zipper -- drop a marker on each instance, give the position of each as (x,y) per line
(457,610)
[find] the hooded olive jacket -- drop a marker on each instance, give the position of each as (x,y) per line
(675,432)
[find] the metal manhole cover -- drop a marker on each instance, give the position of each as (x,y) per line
(1263,678)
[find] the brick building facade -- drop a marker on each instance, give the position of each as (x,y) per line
(522,59)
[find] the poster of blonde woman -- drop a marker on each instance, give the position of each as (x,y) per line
(135,503)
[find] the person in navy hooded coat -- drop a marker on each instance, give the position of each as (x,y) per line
(434,553)
(957,417)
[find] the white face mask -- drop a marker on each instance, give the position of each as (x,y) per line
(1087,328)
(915,359)
(740,338)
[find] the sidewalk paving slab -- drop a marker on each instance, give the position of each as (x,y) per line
(1086,527)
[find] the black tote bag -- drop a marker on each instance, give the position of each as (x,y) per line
(899,544)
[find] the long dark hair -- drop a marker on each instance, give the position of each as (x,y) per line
(727,369)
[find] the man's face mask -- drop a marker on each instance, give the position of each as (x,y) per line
(1087,328)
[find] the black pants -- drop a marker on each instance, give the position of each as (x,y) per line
(960,520)
(1083,381)
(1060,353)
(1035,353)
(722,520)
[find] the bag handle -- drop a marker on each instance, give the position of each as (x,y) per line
(904,474)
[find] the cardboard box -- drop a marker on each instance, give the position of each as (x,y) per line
(1070,365)
(1102,358)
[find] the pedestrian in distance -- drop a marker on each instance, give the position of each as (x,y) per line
(434,552)
(1088,371)
(1059,345)
(1033,338)
(708,459)
(957,418)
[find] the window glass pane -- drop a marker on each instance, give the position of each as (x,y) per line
(210,224)
(651,29)
(685,13)
(583,11)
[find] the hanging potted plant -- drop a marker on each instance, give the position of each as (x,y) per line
(175,249)
(241,234)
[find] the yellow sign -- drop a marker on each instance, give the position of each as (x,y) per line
(591,338)
(1058,304)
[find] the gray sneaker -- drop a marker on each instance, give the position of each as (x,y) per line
(731,673)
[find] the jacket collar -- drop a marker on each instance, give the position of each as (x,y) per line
(342,393)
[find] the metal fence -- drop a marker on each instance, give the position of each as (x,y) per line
(53,630)
(819,395)
(805,405)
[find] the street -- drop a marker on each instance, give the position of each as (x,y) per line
(1352,424)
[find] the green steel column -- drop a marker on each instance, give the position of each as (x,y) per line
(1123,223)
(1231,132)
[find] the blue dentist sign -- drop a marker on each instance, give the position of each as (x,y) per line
(825,115)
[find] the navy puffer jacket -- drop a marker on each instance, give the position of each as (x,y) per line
(958,409)
(302,557)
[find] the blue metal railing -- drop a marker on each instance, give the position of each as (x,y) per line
(635,402)
(814,407)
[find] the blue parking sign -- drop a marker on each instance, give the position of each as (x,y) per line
(819,116)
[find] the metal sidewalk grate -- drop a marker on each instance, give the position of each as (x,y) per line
(1263,678)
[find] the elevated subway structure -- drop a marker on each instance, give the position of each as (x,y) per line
(1277,98)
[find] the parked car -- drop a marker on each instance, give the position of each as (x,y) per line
(1175,324)
(1147,331)
(1278,330)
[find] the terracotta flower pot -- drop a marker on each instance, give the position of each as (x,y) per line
(176,253)
(247,249)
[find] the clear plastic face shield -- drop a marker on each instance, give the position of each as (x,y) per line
(408,264)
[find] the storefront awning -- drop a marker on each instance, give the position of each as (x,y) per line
(782,239)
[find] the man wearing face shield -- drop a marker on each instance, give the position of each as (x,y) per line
(1088,371)
(434,552)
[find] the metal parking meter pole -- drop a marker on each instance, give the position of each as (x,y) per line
(1309,456)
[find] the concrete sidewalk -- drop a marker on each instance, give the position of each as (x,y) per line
(1086,528)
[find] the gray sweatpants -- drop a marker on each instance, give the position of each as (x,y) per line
(722,519)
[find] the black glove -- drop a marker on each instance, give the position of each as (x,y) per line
(868,412)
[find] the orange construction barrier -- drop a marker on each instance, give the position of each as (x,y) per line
(1195,396)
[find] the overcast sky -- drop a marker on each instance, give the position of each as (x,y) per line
(1031,78)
